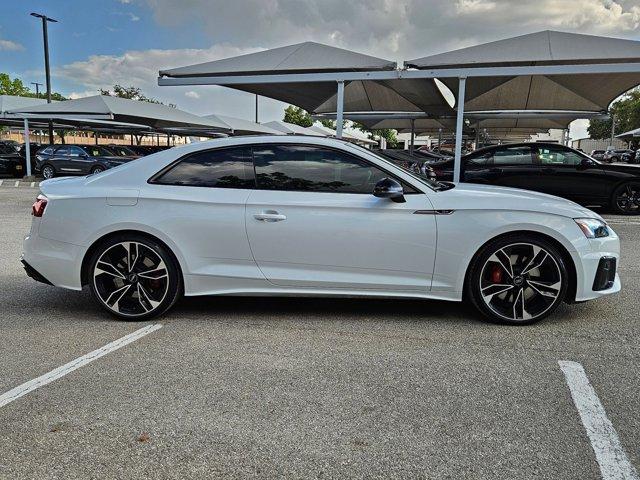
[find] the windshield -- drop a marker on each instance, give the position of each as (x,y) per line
(121,151)
(98,151)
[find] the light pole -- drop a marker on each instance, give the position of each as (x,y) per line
(47,71)
(37,88)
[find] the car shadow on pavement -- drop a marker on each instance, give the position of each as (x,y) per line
(326,308)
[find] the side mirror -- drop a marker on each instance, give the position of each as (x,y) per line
(587,162)
(389,188)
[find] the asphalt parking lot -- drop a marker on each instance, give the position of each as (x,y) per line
(302,388)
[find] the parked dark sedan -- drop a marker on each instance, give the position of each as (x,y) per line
(554,169)
(10,161)
(62,160)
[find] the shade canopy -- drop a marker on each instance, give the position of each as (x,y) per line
(11,102)
(239,126)
(584,91)
(101,107)
(330,132)
(416,95)
(293,129)
(631,134)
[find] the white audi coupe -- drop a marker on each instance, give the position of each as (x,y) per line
(298,216)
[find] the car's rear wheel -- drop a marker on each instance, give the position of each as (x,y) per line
(134,277)
(48,172)
(626,199)
(97,169)
(518,279)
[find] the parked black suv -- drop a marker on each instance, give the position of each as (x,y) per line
(554,169)
(62,160)
(10,161)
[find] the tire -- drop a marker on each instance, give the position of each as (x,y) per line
(48,172)
(97,169)
(517,279)
(134,277)
(626,199)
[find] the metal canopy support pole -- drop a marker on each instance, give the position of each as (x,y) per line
(459,124)
(477,135)
(340,109)
(439,140)
(256,108)
(27,146)
(613,128)
(95,135)
(413,136)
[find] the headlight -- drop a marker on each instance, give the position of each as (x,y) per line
(592,227)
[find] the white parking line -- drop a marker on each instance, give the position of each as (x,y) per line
(613,461)
(59,372)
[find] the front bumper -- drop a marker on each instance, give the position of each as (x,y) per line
(592,280)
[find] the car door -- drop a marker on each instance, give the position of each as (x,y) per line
(515,166)
(313,222)
(569,174)
(80,160)
(62,161)
(199,203)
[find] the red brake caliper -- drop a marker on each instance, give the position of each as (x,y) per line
(496,274)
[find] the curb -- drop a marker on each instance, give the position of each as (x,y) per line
(10,183)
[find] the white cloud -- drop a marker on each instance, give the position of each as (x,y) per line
(9,46)
(140,68)
(393,29)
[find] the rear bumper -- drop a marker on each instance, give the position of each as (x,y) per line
(33,273)
(58,263)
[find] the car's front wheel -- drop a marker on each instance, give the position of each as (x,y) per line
(517,279)
(626,199)
(134,277)
(97,169)
(48,172)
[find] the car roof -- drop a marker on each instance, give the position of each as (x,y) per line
(520,144)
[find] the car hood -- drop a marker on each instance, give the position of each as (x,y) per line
(469,196)
(633,169)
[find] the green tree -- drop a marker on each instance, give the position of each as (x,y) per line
(132,93)
(15,87)
(387,133)
(12,87)
(297,116)
(627,116)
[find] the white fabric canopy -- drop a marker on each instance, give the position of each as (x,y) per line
(293,129)
(102,107)
(240,126)
(589,91)
(320,97)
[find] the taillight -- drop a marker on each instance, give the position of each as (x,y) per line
(37,209)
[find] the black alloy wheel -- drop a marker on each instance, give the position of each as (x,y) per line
(48,172)
(518,280)
(134,277)
(626,199)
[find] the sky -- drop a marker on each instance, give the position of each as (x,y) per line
(97,43)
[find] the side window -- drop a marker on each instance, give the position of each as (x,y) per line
(512,156)
(47,151)
(63,151)
(76,152)
(479,160)
(309,168)
(224,168)
(558,156)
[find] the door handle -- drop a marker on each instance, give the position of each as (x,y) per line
(269,216)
